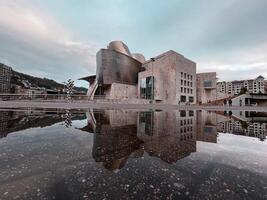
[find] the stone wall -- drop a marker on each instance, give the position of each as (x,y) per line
(122,91)
(206,94)
(166,70)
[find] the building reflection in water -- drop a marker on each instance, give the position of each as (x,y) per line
(122,134)
(252,124)
(118,135)
(168,135)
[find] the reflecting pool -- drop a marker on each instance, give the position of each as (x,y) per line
(132,154)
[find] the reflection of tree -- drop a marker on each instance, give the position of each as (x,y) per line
(244,125)
(67,119)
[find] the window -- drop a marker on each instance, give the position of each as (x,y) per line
(182,74)
(149,83)
(191,78)
(191,114)
(188,83)
(207,83)
(182,89)
(146,123)
(188,90)
(146,88)
(191,91)
(143,88)
(183,98)
(188,76)
(191,84)
(191,99)
(182,82)
(182,113)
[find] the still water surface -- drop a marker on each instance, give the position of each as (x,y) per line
(129,154)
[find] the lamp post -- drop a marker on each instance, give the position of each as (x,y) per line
(64,88)
(152,60)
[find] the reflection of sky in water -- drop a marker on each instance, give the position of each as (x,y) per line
(237,151)
(55,161)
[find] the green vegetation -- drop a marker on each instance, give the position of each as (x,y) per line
(44,82)
(243,90)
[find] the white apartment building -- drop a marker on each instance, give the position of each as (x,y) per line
(254,86)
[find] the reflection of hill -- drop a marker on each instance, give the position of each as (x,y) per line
(13,122)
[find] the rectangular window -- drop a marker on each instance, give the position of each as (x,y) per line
(182,113)
(207,83)
(182,74)
(183,98)
(146,123)
(182,82)
(191,113)
(143,88)
(149,88)
(191,99)
(146,88)
(182,89)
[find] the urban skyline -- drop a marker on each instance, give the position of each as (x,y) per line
(59,35)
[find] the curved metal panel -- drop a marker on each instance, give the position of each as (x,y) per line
(115,67)
(139,57)
(119,46)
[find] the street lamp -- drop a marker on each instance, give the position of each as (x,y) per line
(152,60)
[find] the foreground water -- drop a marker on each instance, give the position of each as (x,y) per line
(124,154)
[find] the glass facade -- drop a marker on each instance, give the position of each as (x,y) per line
(207,83)
(146,123)
(147,88)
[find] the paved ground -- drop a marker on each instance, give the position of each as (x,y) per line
(87,105)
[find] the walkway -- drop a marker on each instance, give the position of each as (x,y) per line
(86,105)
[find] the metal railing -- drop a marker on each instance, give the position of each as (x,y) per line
(41,97)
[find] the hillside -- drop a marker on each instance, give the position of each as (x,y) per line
(43,82)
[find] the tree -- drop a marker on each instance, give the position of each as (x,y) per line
(243,90)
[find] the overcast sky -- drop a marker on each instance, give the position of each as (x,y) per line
(58,39)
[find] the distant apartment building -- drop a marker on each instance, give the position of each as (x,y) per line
(5,78)
(253,86)
(167,78)
(206,87)
(252,129)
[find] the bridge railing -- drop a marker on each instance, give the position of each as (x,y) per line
(41,97)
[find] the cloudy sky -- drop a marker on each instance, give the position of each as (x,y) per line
(58,39)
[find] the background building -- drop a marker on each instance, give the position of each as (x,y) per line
(206,87)
(253,86)
(5,78)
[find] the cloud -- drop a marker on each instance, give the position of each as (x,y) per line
(244,63)
(35,43)
(59,39)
